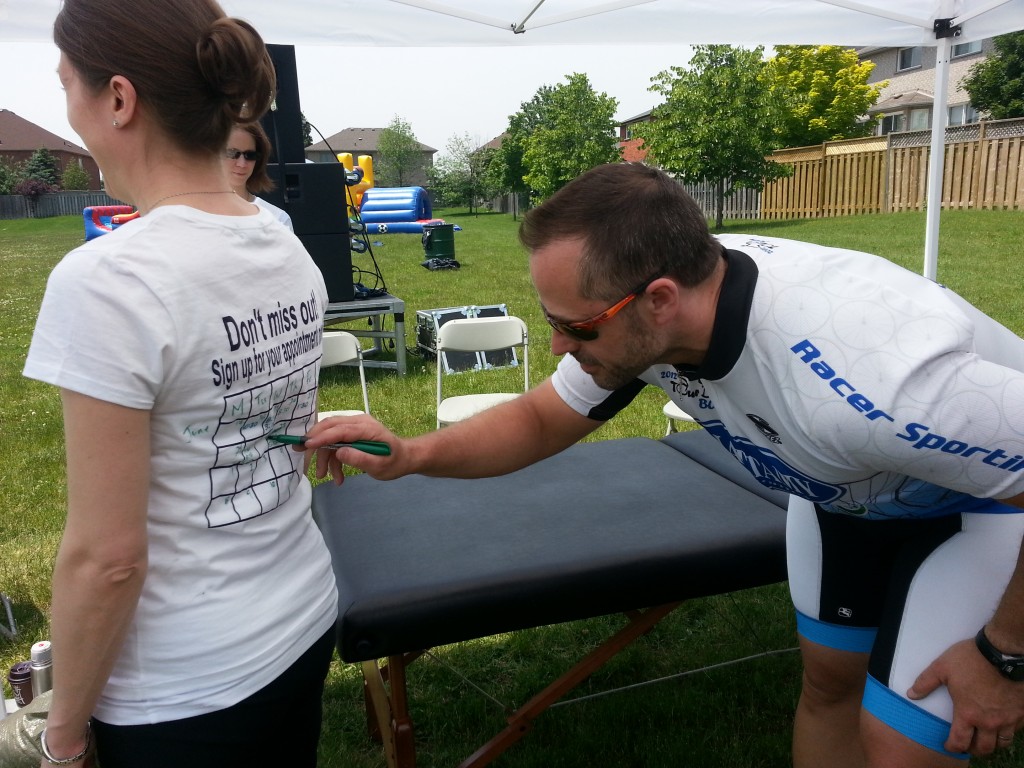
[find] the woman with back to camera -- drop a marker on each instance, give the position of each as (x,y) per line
(193,599)
(246,159)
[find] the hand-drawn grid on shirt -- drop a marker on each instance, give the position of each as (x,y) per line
(252,476)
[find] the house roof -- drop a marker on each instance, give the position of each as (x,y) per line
(646,115)
(19,135)
(496,142)
(354,141)
(904,100)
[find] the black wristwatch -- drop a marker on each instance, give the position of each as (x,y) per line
(1010,667)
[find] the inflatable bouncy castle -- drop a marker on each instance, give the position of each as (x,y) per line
(355,191)
(100,219)
(395,209)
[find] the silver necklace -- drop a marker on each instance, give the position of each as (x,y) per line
(183,194)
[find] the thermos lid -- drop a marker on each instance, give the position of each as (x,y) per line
(42,653)
(20,671)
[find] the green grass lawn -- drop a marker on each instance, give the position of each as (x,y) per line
(729,717)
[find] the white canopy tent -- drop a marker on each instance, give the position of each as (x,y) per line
(528,23)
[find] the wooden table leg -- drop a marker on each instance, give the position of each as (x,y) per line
(520,721)
(387,710)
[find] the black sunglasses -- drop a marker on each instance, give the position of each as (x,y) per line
(249,154)
(586,330)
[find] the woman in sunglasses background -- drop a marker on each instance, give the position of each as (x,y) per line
(246,159)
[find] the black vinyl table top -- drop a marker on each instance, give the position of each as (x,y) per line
(601,528)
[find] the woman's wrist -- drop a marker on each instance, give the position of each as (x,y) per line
(66,753)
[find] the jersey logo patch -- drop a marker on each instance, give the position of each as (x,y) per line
(771,471)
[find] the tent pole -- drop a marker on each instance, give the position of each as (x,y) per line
(936,157)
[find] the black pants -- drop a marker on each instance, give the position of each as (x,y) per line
(278,725)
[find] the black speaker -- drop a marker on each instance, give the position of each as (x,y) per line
(283,122)
(331,254)
(313,195)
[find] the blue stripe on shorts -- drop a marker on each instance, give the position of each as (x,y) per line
(905,716)
(899,713)
(855,639)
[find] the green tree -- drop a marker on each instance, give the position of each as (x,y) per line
(825,92)
(75,177)
(577,134)
(507,169)
(307,131)
(10,173)
(398,155)
(718,122)
(42,166)
(459,176)
(996,85)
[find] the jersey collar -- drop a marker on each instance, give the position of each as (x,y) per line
(729,332)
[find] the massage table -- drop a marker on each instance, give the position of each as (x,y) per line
(632,526)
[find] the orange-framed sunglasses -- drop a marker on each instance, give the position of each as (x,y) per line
(585,330)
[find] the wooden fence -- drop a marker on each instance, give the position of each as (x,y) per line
(743,203)
(983,169)
(56,204)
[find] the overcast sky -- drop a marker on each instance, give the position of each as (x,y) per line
(440,92)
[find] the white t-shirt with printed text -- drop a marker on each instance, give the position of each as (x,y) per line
(213,324)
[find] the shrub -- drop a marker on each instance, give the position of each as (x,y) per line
(9,176)
(33,188)
(75,177)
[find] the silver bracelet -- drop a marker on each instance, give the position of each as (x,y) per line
(66,760)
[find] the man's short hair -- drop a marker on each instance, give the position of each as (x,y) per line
(635,221)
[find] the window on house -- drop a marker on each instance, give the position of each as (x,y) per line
(909,58)
(964,49)
(920,119)
(962,114)
(892,123)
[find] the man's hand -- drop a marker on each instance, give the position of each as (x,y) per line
(348,429)
(988,709)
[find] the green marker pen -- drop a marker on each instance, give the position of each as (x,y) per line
(366,446)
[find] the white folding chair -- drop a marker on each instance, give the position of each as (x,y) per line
(342,347)
(675,415)
(478,334)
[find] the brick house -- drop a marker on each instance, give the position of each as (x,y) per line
(19,139)
(905,104)
(632,152)
(363,141)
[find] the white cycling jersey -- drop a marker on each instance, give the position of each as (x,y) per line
(844,379)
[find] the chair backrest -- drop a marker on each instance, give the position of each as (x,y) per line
(342,347)
(483,334)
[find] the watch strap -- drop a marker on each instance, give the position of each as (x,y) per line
(1008,665)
